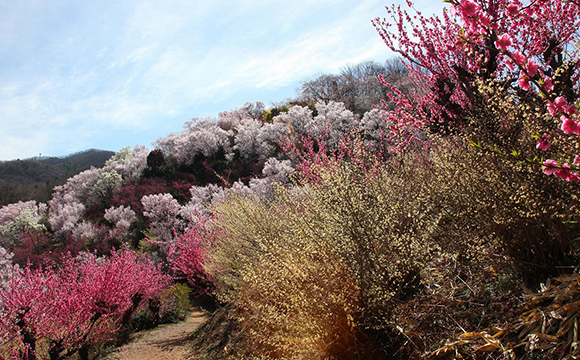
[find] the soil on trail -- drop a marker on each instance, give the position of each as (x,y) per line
(167,342)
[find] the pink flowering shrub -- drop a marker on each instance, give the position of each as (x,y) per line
(84,301)
(187,256)
(502,76)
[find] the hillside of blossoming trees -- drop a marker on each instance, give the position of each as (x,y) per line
(440,223)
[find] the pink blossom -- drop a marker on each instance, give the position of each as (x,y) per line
(552,109)
(561,103)
(509,63)
(532,67)
(468,8)
(519,58)
(512,10)
(564,172)
(576,161)
(504,42)
(524,82)
(550,167)
(569,126)
(548,84)
(484,20)
(543,143)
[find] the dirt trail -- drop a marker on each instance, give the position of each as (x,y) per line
(167,342)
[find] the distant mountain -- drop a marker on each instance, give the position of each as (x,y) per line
(34,178)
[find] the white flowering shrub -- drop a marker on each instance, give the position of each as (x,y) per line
(162,211)
(269,139)
(7,270)
(246,139)
(103,189)
(374,128)
(129,164)
(65,212)
(19,218)
(333,121)
(299,122)
(78,188)
(202,137)
(122,217)
(228,120)
(70,201)
(87,231)
(10,212)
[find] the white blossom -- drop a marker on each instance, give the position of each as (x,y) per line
(122,217)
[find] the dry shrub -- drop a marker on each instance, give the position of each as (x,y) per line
(294,297)
(513,207)
(306,309)
(314,271)
(319,272)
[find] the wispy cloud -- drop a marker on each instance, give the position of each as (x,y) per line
(78,74)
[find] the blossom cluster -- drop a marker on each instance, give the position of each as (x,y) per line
(83,301)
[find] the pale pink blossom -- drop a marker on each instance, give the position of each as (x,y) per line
(550,167)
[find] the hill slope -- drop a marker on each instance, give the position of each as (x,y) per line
(33,179)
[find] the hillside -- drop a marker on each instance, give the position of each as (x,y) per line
(34,178)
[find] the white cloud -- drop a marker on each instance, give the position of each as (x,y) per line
(114,67)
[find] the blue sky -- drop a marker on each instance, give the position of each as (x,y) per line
(105,74)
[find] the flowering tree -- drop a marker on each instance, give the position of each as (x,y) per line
(64,213)
(129,164)
(333,121)
(121,217)
(162,211)
(84,301)
(526,50)
(227,120)
(7,269)
(104,188)
(187,256)
(200,137)
(19,218)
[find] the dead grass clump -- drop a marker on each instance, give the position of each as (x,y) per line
(547,328)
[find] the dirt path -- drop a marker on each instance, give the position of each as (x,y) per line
(167,342)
